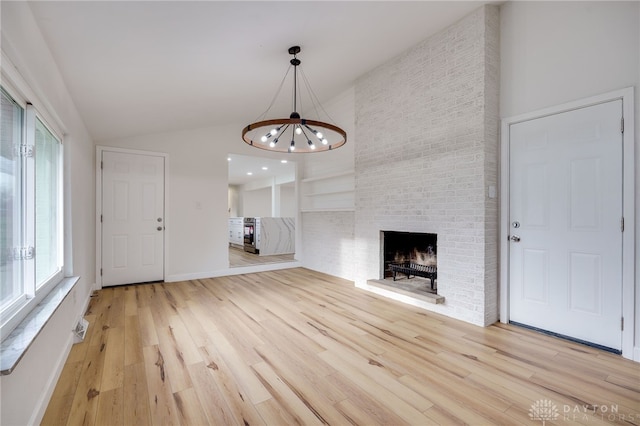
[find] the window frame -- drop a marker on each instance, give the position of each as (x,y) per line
(12,314)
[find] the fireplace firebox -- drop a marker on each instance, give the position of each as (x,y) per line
(409,255)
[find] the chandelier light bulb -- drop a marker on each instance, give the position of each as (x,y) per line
(324,141)
(274,132)
(298,130)
(293,145)
(264,138)
(319,135)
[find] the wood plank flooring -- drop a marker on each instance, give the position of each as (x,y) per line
(299,347)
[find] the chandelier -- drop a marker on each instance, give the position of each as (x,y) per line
(295,134)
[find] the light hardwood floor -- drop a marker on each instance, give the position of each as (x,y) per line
(299,347)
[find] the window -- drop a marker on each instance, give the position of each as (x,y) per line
(31,233)
(10,199)
(47,205)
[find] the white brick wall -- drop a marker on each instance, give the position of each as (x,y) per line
(426,152)
(491,164)
(327,240)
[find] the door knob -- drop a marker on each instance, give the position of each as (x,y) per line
(159,228)
(515,238)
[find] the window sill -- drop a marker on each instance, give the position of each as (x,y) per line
(15,345)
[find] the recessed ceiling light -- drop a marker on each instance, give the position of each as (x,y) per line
(265,168)
(250,173)
(283,161)
(228,158)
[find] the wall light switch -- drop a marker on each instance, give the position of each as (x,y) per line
(492,191)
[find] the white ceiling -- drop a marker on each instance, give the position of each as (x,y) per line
(261,169)
(144,67)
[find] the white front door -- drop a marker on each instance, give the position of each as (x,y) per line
(132,218)
(565,207)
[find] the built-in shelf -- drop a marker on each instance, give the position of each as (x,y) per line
(329,176)
(329,192)
(316,194)
(329,209)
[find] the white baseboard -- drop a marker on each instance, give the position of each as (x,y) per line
(233,271)
(636,354)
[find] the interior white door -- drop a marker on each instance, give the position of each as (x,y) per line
(565,209)
(132,218)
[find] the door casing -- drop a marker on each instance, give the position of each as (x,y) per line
(628,179)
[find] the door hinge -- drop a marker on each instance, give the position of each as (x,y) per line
(24,253)
(622,224)
(622,324)
(622,125)
(100,218)
(26,151)
(101,165)
(100,271)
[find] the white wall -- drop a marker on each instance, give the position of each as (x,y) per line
(328,243)
(557,52)
(257,203)
(26,391)
(233,203)
(288,203)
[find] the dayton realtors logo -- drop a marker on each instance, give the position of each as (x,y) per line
(543,410)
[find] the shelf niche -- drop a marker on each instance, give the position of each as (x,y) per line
(331,192)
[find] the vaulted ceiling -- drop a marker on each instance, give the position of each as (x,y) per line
(137,68)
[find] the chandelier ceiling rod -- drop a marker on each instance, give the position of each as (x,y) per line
(295,62)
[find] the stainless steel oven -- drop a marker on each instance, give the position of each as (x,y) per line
(250,235)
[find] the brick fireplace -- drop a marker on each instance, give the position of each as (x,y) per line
(425,156)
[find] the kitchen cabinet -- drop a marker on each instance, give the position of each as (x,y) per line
(236,231)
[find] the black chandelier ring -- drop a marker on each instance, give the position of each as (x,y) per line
(293,124)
